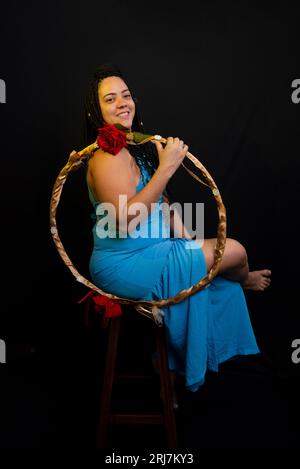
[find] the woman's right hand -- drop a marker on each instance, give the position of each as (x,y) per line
(171,156)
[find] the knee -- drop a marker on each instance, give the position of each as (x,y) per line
(238,252)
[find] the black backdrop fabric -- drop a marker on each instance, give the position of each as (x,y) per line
(218,75)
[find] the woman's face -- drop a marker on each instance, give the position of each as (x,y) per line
(116,103)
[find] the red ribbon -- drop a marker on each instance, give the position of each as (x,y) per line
(111,308)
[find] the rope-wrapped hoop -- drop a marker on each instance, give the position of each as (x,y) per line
(148,308)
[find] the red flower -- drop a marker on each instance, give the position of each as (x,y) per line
(102,304)
(111,139)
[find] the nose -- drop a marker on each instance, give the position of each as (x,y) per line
(120,102)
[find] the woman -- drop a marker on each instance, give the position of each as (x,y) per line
(211,325)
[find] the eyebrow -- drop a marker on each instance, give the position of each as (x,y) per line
(115,93)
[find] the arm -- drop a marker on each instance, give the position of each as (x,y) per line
(111,176)
(177,227)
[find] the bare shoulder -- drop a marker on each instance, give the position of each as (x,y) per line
(103,163)
(109,174)
(103,159)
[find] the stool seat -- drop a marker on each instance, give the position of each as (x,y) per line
(106,417)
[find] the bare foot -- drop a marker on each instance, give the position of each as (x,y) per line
(257,280)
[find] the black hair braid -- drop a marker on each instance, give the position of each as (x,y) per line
(93,117)
(145,155)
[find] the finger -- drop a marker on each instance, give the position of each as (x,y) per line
(158,145)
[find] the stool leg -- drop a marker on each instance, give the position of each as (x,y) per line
(86,313)
(108,382)
(167,392)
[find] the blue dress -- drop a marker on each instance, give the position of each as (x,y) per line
(204,330)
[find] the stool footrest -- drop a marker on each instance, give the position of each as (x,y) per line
(127,377)
(155,419)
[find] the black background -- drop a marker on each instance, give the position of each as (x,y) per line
(218,76)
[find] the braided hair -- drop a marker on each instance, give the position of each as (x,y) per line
(145,155)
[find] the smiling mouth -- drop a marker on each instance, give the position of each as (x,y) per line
(123,114)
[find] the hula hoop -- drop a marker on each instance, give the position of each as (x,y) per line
(147,308)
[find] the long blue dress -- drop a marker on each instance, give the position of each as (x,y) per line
(204,330)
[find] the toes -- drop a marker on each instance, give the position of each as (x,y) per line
(266,272)
(265,284)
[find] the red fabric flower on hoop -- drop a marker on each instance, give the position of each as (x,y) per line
(111,139)
(104,304)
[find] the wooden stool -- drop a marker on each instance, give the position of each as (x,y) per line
(166,418)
